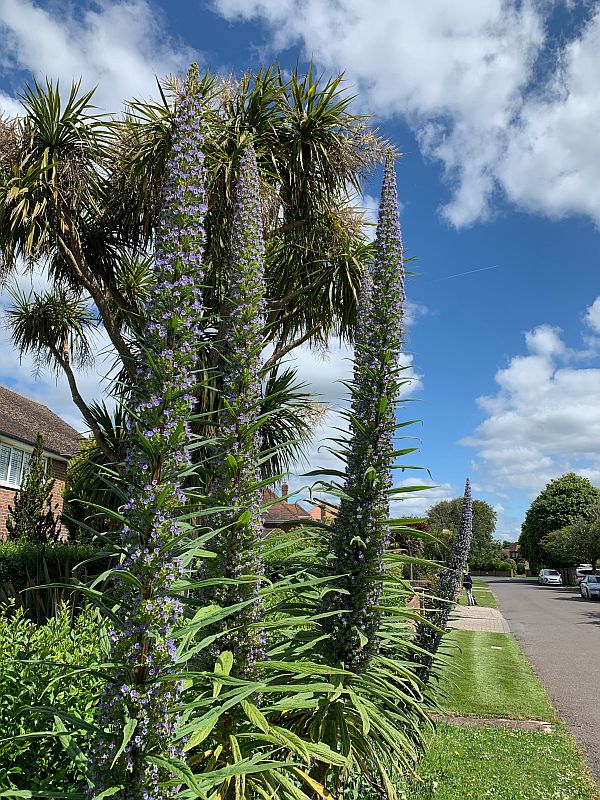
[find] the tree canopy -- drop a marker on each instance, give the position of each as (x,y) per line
(574,544)
(562,502)
(446,515)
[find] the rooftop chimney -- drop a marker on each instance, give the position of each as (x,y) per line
(284,490)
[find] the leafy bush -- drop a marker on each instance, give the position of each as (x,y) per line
(22,561)
(42,763)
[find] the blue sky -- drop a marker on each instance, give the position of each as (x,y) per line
(496,106)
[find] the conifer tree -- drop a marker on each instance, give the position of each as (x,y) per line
(33,517)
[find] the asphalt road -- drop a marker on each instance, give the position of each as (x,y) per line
(560,635)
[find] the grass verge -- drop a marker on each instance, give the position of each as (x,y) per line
(489,677)
(473,763)
(483,595)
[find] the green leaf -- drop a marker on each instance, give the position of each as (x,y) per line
(203,730)
(128,730)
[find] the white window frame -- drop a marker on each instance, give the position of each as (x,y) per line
(23,450)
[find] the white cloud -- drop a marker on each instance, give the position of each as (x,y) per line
(323,372)
(463,76)
(592,315)
(545,417)
(121,46)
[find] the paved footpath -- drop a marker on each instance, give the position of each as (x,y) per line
(476,618)
(560,635)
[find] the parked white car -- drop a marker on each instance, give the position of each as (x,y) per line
(590,587)
(547,577)
(581,571)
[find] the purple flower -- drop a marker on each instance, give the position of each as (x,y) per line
(444,591)
(140,688)
(361,533)
(238,544)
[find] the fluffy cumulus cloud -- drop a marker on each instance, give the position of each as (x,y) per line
(120,46)
(463,75)
(544,419)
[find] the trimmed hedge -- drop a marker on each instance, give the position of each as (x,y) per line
(21,562)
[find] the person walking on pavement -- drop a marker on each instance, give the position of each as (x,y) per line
(468,584)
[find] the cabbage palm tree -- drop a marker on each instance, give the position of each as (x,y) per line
(80,195)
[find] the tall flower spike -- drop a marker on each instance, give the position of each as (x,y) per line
(445,589)
(238,544)
(136,707)
(361,534)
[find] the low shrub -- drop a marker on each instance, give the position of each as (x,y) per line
(24,563)
(494,564)
(28,678)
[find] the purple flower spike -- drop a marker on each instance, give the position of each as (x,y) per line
(361,534)
(238,545)
(444,591)
(140,688)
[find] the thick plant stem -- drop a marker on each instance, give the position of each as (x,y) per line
(448,582)
(136,710)
(361,533)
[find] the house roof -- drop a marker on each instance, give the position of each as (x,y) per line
(281,511)
(22,419)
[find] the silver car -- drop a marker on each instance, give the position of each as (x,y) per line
(549,576)
(590,587)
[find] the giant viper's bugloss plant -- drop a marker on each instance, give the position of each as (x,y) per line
(429,633)
(361,531)
(237,545)
(136,711)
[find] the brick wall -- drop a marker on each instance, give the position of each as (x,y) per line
(58,470)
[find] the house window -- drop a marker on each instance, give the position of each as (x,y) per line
(13,465)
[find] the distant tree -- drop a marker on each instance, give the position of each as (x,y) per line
(33,516)
(563,502)
(578,543)
(445,517)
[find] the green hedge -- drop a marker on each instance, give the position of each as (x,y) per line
(21,562)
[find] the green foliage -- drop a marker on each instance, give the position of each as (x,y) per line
(561,503)
(19,562)
(574,544)
(33,515)
(45,666)
(445,516)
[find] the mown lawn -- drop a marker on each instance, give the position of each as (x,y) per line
(473,763)
(489,677)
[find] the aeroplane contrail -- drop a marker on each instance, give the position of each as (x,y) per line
(469,272)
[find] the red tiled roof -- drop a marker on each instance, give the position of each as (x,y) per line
(282,511)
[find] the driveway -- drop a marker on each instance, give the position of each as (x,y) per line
(560,635)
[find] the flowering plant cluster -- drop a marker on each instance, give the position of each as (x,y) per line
(136,710)
(361,533)
(238,541)
(428,634)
